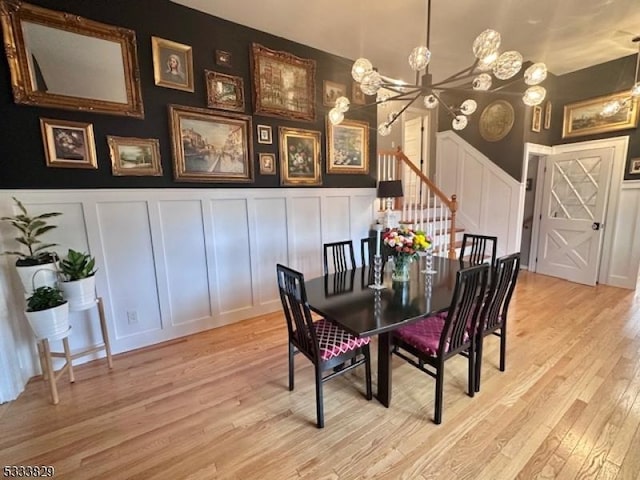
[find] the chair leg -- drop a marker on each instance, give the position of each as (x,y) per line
(472,371)
(291,350)
(503,347)
(439,387)
(319,400)
(367,371)
(478,372)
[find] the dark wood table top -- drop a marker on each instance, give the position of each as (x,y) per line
(346,298)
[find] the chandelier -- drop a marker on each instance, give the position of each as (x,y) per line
(489,63)
(611,108)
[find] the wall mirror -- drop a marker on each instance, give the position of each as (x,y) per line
(66,61)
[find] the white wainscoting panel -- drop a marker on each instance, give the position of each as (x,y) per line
(470,189)
(176,261)
(625,257)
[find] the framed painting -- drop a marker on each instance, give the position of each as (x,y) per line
(331,91)
(348,147)
(134,156)
(265,135)
(547,115)
(299,157)
(634,166)
(267,163)
(585,118)
(224,92)
(223,58)
(536,119)
(357,97)
(68,144)
(210,146)
(172,64)
(283,84)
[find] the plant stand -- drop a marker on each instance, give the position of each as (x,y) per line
(45,355)
(105,345)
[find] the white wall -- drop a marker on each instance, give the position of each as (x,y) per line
(184,260)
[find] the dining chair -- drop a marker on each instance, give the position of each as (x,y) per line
(494,315)
(323,342)
(341,254)
(430,342)
(476,249)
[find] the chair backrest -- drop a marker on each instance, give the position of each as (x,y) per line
(293,296)
(464,312)
(476,249)
(341,254)
(503,282)
(367,250)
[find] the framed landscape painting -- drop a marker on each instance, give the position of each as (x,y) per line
(134,156)
(299,157)
(68,144)
(348,147)
(283,84)
(585,118)
(210,146)
(224,92)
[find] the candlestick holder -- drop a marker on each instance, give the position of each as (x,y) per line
(377,273)
(428,262)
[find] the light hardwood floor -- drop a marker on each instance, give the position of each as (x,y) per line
(216,405)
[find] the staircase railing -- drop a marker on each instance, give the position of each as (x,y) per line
(424,206)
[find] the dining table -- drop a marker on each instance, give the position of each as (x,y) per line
(346,299)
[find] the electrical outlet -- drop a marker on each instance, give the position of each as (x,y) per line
(132,317)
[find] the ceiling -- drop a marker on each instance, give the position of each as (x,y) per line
(565,34)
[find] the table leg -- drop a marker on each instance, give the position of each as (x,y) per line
(384,368)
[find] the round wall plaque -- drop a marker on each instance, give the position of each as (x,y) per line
(496,120)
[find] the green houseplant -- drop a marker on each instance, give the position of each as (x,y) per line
(77,279)
(48,313)
(36,266)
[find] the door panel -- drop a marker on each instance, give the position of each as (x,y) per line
(575,193)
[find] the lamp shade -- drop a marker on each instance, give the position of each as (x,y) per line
(390,189)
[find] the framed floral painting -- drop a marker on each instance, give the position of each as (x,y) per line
(68,144)
(348,147)
(210,146)
(299,157)
(283,84)
(134,156)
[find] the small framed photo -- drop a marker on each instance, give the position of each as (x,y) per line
(547,115)
(172,64)
(299,157)
(267,163)
(68,144)
(357,97)
(348,147)
(134,156)
(223,58)
(634,166)
(536,118)
(264,134)
(331,91)
(224,92)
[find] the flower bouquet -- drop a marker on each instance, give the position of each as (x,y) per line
(404,245)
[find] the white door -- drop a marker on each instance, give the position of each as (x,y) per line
(576,187)
(414,148)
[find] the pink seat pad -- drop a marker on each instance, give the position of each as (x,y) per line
(335,341)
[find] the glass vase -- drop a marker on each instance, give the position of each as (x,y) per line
(401,269)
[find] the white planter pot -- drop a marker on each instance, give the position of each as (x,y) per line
(45,275)
(81,294)
(49,323)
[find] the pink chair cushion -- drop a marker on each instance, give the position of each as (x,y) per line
(335,341)
(423,335)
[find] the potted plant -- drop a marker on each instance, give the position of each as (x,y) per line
(47,313)
(36,267)
(77,279)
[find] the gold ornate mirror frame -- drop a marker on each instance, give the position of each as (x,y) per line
(14,14)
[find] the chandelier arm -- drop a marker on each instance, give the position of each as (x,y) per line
(481,92)
(409,103)
(462,74)
(444,104)
(637,39)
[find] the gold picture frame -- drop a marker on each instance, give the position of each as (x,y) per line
(68,144)
(283,84)
(634,166)
(547,114)
(357,95)
(135,157)
(210,146)
(585,118)
(331,91)
(224,92)
(496,120)
(267,163)
(265,134)
(172,64)
(536,118)
(348,147)
(299,157)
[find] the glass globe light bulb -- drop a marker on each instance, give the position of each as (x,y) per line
(371,83)
(482,82)
(635,90)
(459,122)
(335,116)
(611,108)
(534,95)
(384,129)
(507,65)
(486,63)
(535,74)
(486,44)
(419,58)
(342,104)
(360,67)
(468,106)
(431,101)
